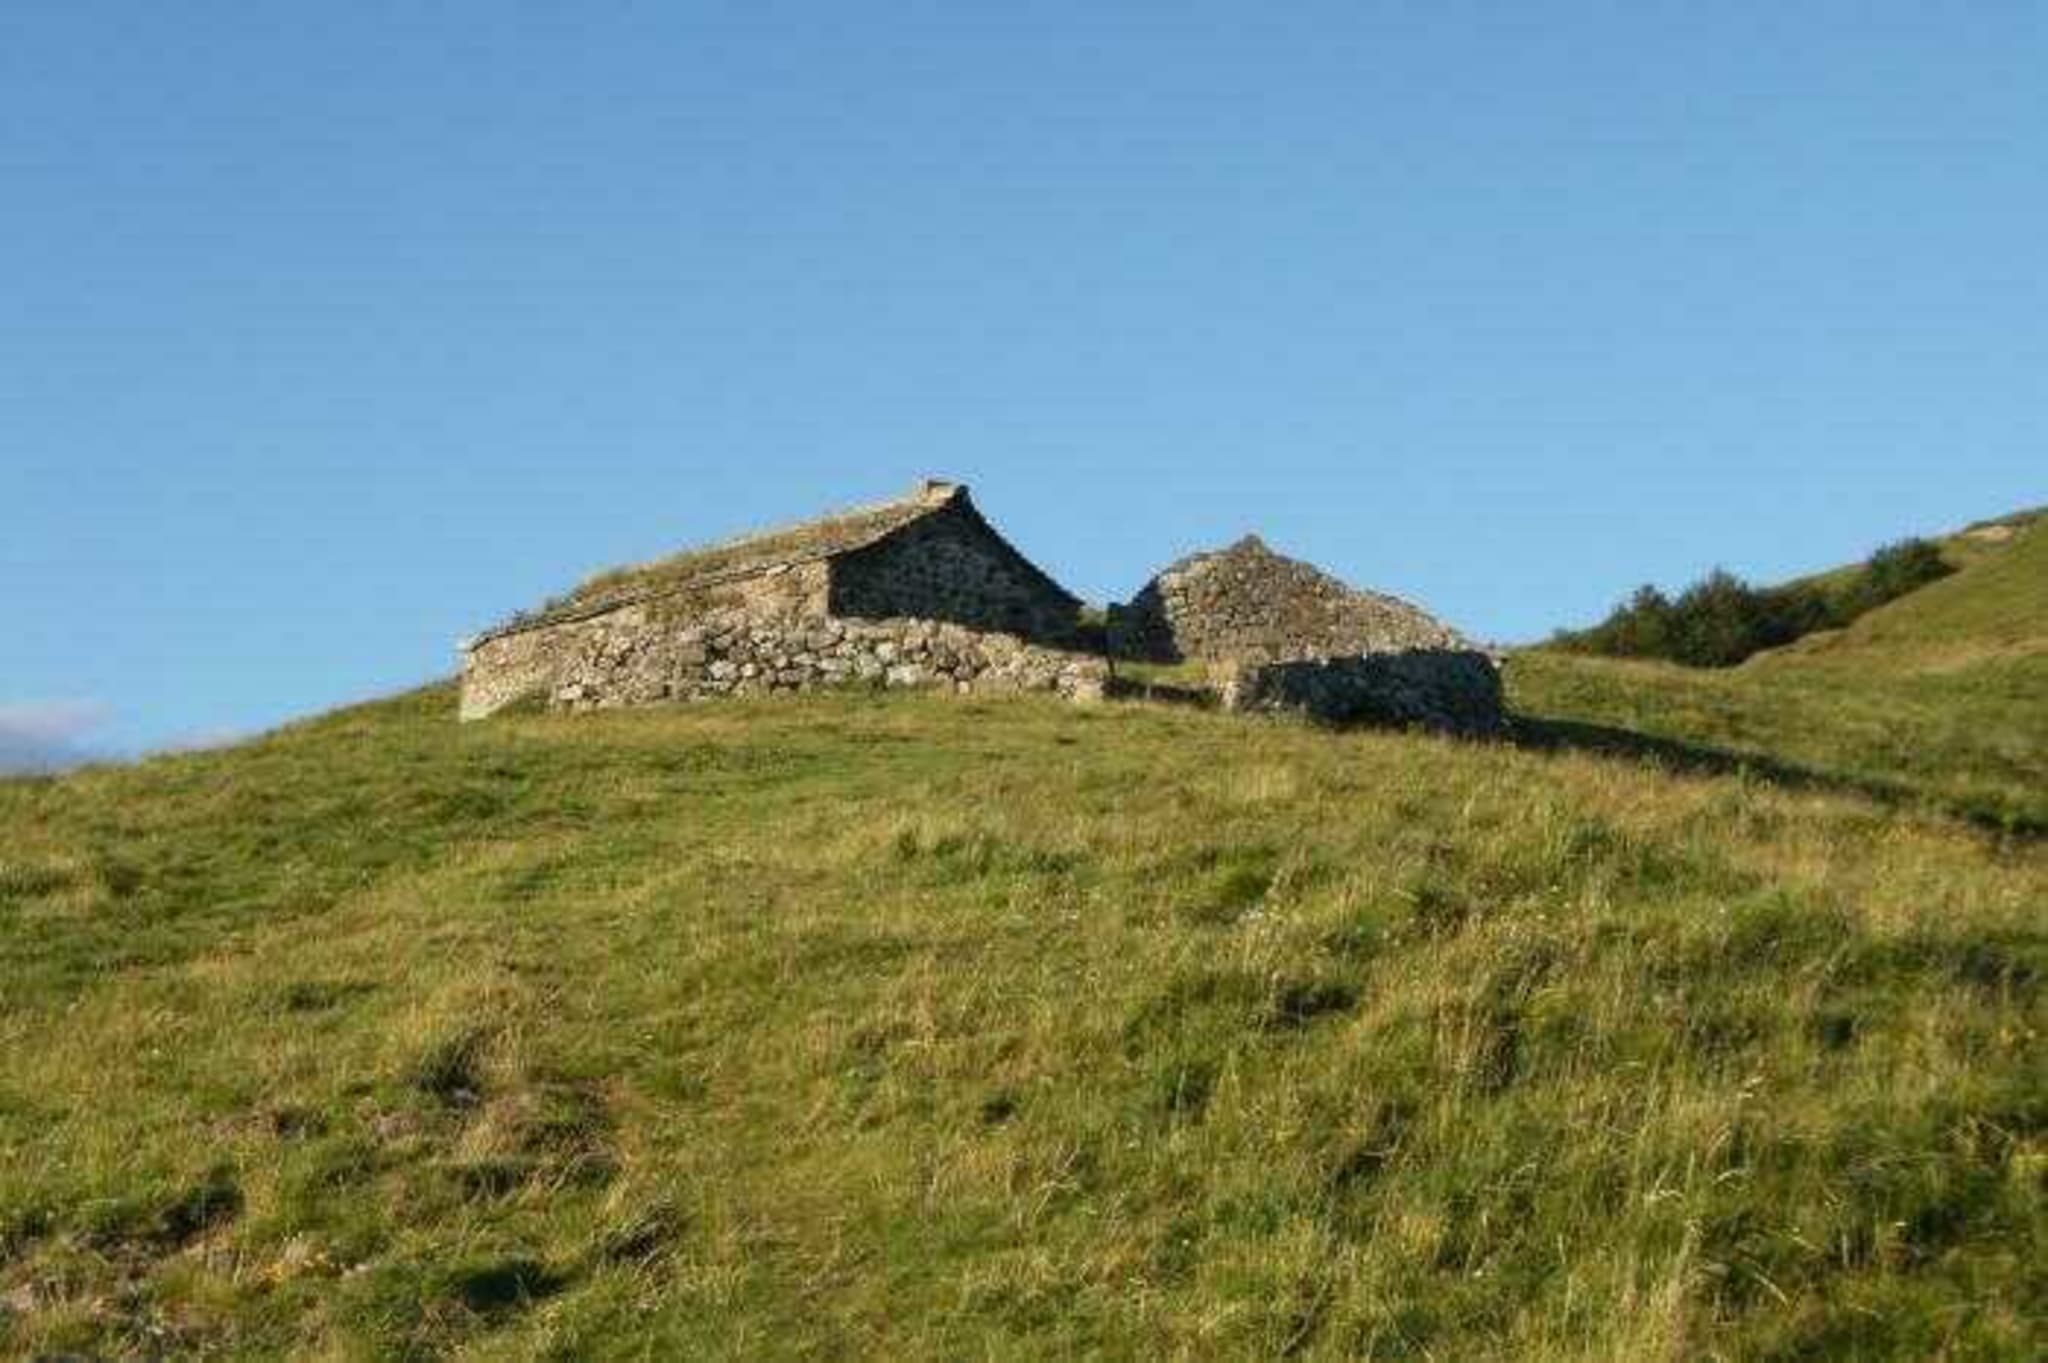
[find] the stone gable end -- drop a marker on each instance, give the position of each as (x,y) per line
(922,592)
(1280,634)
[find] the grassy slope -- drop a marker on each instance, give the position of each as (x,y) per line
(918,1027)
(1940,697)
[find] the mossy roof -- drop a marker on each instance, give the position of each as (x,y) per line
(744,556)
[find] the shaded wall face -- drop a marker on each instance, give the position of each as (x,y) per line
(1140,630)
(1440,688)
(946,568)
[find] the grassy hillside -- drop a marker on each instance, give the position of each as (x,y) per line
(918,1027)
(1720,620)
(1703,1021)
(1996,604)
(1939,698)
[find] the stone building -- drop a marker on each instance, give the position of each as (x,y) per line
(920,591)
(1277,633)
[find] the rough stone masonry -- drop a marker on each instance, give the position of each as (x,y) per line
(923,592)
(920,591)
(1279,634)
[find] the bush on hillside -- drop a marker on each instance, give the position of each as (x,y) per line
(1891,572)
(1720,620)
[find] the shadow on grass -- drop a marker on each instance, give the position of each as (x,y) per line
(1537,733)
(1165,693)
(1540,734)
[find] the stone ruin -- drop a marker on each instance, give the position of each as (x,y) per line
(923,592)
(916,592)
(1278,634)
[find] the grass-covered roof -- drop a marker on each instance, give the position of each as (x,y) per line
(745,556)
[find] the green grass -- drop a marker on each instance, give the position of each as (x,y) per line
(926,1027)
(1939,698)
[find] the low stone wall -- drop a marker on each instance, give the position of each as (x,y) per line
(1457,690)
(502,669)
(630,659)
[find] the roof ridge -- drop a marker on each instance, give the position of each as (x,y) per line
(918,498)
(1253,544)
(889,516)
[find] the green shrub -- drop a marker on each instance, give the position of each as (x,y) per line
(1721,620)
(1891,572)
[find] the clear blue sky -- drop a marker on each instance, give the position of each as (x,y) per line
(330,333)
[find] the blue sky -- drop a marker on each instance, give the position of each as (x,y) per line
(333,333)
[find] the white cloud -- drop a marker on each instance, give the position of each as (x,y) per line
(48,735)
(53,721)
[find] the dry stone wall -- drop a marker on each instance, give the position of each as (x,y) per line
(737,653)
(526,660)
(506,668)
(1457,690)
(628,658)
